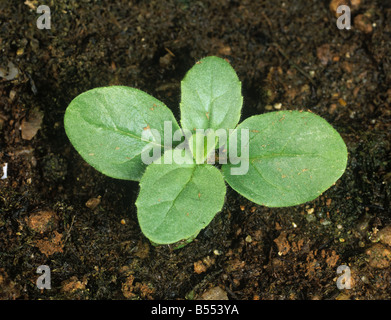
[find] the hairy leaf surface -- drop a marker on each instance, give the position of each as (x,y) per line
(293,158)
(211,96)
(105,126)
(177,201)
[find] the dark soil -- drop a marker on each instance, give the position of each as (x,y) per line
(288,55)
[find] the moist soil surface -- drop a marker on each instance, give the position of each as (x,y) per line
(56,210)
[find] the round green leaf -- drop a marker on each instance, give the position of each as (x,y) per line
(177,201)
(105,126)
(210,96)
(293,157)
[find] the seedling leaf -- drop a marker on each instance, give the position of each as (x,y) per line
(177,201)
(105,126)
(293,158)
(211,96)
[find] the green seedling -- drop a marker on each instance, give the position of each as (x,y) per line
(276,159)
